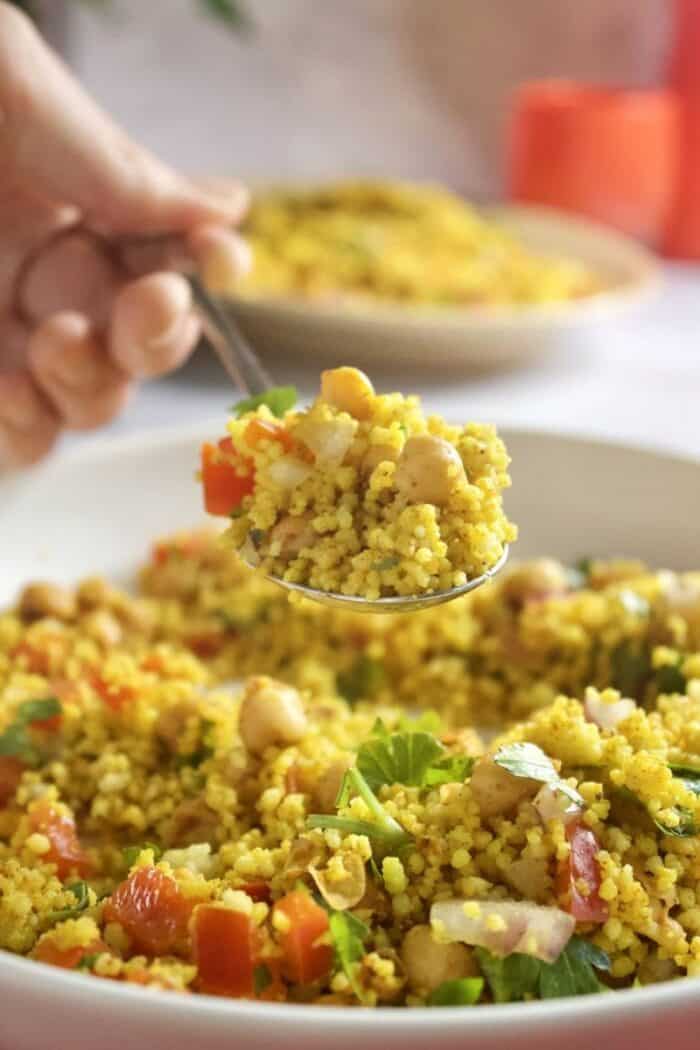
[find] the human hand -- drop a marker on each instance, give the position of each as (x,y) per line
(92,231)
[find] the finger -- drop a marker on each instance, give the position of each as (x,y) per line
(73,272)
(13,343)
(221,257)
(28,425)
(153,329)
(27,223)
(64,146)
(76,373)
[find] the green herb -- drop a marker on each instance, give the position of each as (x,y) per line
(16,741)
(256,537)
(519,977)
(426,722)
(279,399)
(670,678)
(384,829)
(463,992)
(231,12)
(690,775)
(386,563)
(529,761)
(584,566)
(131,853)
(685,828)
(348,934)
(362,680)
(237,512)
(87,962)
(413,759)
(262,978)
(81,892)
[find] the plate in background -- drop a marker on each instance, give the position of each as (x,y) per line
(474,338)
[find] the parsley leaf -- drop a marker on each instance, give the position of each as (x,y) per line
(279,399)
(630,667)
(361,680)
(518,977)
(415,759)
(86,962)
(529,761)
(670,679)
(348,934)
(81,892)
(463,992)
(15,739)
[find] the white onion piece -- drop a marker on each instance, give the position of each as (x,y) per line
(288,472)
(530,929)
(329,440)
(554,805)
(604,714)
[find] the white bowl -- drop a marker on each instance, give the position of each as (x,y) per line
(474,338)
(98,508)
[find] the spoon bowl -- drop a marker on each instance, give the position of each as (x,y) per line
(241,364)
(399,604)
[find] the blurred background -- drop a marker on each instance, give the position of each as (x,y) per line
(415,89)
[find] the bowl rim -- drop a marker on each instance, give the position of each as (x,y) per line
(65,985)
(644,277)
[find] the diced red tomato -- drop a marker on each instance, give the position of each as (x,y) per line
(41,658)
(305,959)
(224,486)
(47,951)
(258,891)
(65,851)
(582,863)
(153,911)
(11,770)
(225,949)
(115,697)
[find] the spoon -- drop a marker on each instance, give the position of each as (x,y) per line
(241,364)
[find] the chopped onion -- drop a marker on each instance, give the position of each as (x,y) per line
(552,804)
(606,714)
(329,440)
(504,927)
(288,472)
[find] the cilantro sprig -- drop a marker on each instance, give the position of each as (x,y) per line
(15,740)
(383,829)
(348,934)
(416,759)
(518,977)
(530,762)
(279,399)
(361,680)
(81,892)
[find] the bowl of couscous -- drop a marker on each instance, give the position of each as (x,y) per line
(227,817)
(377,268)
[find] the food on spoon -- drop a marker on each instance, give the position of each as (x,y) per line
(360,494)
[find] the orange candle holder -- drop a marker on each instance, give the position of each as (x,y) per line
(608,153)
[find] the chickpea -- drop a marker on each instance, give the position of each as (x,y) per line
(428,963)
(271,713)
(428,470)
(47,599)
(293,533)
(495,790)
(101,625)
(349,390)
(535,580)
(94,592)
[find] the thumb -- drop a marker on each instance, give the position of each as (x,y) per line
(58,143)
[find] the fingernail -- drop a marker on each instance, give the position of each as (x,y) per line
(222,257)
(232,201)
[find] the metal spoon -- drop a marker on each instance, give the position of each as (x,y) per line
(243,367)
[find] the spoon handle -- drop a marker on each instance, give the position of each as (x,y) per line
(234,352)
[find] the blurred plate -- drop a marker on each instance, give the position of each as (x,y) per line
(475,338)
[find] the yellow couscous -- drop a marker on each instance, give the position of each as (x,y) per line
(395,242)
(361,494)
(205,789)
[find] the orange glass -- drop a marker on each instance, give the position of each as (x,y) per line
(606,153)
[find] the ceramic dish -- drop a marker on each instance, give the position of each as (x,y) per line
(97,510)
(473,338)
